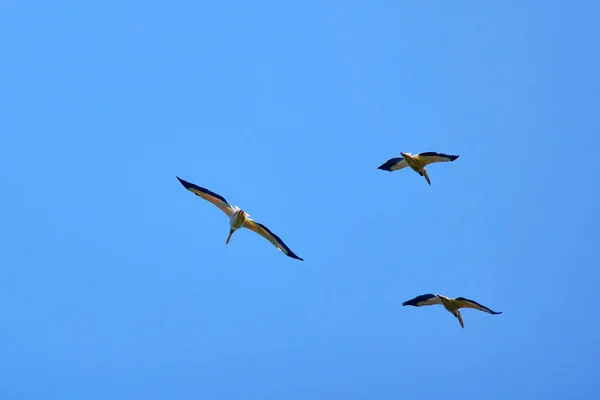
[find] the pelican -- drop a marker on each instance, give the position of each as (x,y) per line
(450,304)
(417,162)
(238,218)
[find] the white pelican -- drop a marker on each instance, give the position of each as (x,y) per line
(450,304)
(238,218)
(417,162)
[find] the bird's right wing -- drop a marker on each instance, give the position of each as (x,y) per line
(433,157)
(206,194)
(271,237)
(423,300)
(393,164)
(466,303)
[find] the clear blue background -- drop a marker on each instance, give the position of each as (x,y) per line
(116,283)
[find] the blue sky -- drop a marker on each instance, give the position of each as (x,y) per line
(116,282)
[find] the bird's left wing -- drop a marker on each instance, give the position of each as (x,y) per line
(206,194)
(393,164)
(271,237)
(423,300)
(432,157)
(466,303)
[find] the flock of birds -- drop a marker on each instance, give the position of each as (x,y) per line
(417,162)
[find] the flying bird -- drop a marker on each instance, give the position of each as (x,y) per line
(238,218)
(452,305)
(417,162)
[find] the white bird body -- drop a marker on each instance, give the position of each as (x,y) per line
(452,305)
(417,162)
(238,218)
(236,221)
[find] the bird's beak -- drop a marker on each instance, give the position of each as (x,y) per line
(426,176)
(229,237)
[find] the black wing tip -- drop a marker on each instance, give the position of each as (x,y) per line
(295,256)
(387,166)
(480,305)
(186,184)
(289,253)
(451,157)
(415,302)
(190,186)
